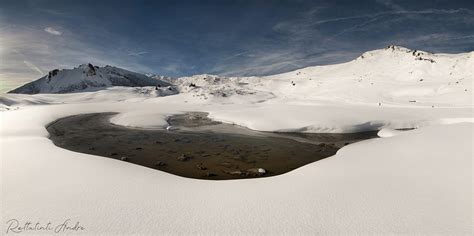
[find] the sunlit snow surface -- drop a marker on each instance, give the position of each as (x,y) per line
(415,182)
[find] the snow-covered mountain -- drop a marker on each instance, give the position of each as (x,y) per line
(393,75)
(87,77)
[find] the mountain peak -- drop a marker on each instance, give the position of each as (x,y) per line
(87,66)
(87,77)
(397,48)
(397,51)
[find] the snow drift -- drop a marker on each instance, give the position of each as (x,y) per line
(418,182)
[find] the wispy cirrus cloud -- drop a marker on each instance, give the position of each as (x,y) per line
(401,13)
(136,54)
(313,39)
(33,67)
(53,31)
(391,4)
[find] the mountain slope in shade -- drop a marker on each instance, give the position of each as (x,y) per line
(87,77)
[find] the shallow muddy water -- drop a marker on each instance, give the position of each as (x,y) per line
(197,147)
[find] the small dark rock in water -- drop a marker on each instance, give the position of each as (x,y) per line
(138,148)
(183,158)
(114,154)
(256,172)
(209,174)
(200,166)
(160,164)
(346,144)
(177,140)
(124,158)
(91,148)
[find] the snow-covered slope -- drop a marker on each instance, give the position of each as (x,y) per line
(415,183)
(389,76)
(222,89)
(87,77)
(110,94)
(394,75)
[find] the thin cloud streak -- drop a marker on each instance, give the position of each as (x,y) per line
(377,16)
(53,31)
(33,67)
(300,30)
(137,53)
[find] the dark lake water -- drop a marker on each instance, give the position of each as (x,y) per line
(197,147)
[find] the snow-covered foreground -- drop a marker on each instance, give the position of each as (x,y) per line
(411,182)
(418,181)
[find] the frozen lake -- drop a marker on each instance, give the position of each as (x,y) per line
(196,147)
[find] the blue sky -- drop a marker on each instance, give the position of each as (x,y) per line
(178,38)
